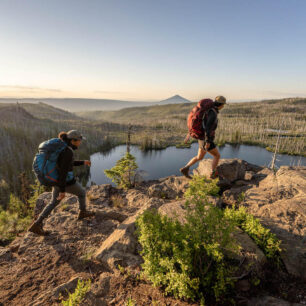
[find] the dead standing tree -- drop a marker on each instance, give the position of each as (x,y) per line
(276,150)
(128,141)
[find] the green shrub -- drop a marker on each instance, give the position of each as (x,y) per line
(78,295)
(4,193)
(183,145)
(88,255)
(130,302)
(200,187)
(124,173)
(18,215)
(262,236)
(13,220)
(188,260)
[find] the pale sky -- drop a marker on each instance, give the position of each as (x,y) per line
(150,50)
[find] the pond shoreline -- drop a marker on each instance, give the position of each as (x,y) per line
(188,146)
(166,162)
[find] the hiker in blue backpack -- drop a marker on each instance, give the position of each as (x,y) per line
(61,175)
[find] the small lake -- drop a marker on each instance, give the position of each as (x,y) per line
(161,163)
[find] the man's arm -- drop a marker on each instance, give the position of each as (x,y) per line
(64,162)
(82,162)
(212,116)
(78,162)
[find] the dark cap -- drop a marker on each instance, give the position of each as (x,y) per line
(220,100)
(74,134)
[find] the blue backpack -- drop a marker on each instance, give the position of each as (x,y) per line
(45,162)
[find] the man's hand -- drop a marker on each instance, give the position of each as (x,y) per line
(87,163)
(61,196)
(207,145)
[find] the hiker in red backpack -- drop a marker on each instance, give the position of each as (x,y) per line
(202,124)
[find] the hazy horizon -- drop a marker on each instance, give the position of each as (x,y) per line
(140,101)
(149,51)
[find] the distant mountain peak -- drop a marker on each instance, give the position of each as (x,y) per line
(174,99)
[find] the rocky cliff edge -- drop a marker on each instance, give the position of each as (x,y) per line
(37,270)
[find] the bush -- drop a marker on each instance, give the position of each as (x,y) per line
(262,236)
(124,174)
(200,187)
(4,193)
(18,215)
(130,302)
(78,295)
(188,259)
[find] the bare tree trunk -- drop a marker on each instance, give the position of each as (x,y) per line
(276,150)
(128,142)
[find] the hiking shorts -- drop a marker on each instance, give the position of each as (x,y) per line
(202,143)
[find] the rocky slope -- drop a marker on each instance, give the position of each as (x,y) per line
(36,270)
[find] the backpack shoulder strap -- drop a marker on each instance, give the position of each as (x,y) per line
(214,110)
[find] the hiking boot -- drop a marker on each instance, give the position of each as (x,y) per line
(37,229)
(85,214)
(214,174)
(185,172)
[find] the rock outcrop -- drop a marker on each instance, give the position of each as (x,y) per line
(278,200)
(280,203)
(120,248)
(36,270)
(231,171)
(172,187)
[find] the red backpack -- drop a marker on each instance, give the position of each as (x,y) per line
(195,117)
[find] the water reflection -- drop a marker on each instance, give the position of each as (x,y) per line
(155,164)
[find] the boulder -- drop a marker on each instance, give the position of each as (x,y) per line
(100,194)
(169,188)
(121,247)
(279,202)
(136,198)
(230,170)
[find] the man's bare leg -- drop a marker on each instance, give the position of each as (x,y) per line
(216,157)
(200,156)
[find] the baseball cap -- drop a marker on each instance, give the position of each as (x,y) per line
(74,134)
(220,99)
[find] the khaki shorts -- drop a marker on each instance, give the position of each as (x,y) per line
(202,143)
